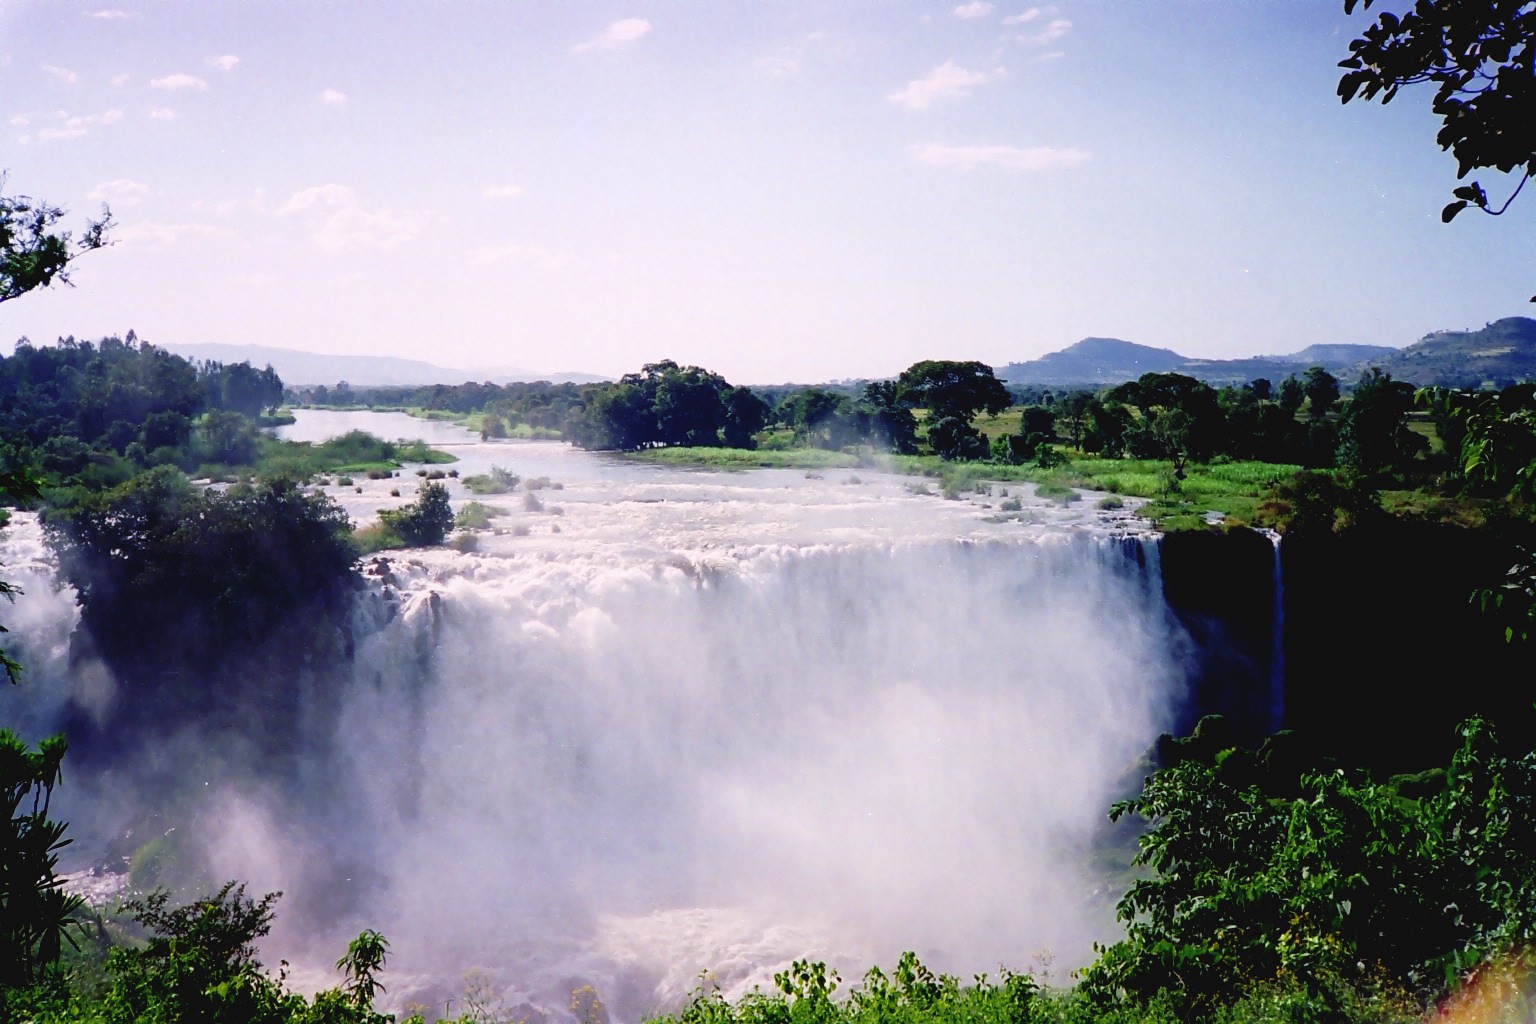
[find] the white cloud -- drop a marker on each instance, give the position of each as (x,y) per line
(64,75)
(616,36)
(1008,158)
(21,119)
(119,192)
(777,67)
(501,191)
(1025,17)
(178,81)
(1052,31)
(339,220)
(531,255)
(974,9)
(162,114)
(333,98)
(111,14)
(118,81)
(224,63)
(72,126)
(947,81)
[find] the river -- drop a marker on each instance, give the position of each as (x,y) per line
(670,721)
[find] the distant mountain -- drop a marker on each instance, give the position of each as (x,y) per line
(1339,355)
(1101,361)
(1502,352)
(1095,360)
(308,368)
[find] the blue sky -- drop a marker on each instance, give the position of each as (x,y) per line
(775,189)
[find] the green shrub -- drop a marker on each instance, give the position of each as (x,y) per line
(426,521)
(497,481)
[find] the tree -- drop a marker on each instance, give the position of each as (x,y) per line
(425,521)
(948,388)
(1481,56)
(1373,432)
(1181,418)
(33,254)
(1292,394)
(745,415)
(35,914)
(1322,391)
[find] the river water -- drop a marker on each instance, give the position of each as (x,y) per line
(665,722)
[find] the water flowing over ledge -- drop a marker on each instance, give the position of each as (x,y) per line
(682,722)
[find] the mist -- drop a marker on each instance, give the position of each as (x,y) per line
(689,723)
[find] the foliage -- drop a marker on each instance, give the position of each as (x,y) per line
(199,964)
(948,388)
(1325,879)
(1322,391)
(356,451)
(1373,432)
(1316,502)
(1479,54)
(805,993)
(33,253)
(497,481)
(666,404)
(1181,419)
(425,521)
(184,591)
(361,964)
(36,915)
(93,414)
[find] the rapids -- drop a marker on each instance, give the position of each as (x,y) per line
(668,722)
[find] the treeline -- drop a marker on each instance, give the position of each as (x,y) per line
(96,413)
(537,404)
(1376,429)
(212,602)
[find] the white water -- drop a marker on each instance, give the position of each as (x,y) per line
(686,721)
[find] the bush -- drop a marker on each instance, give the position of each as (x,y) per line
(475,515)
(426,521)
(497,481)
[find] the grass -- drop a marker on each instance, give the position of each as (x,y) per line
(354,453)
(1235,489)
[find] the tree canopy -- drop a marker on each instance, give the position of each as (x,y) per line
(947,388)
(33,252)
(1481,57)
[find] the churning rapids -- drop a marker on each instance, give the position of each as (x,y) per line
(684,721)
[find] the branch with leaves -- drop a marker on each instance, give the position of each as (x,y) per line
(33,254)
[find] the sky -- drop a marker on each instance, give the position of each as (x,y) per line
(777,190)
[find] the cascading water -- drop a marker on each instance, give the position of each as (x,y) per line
(1277,644)
(675,722)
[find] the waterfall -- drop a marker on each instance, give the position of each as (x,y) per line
(1277,642)
(695,722)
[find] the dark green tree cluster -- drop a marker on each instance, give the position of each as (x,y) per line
(198,963)
(208,603)
(1324,880)
(953,393)
(95,413)
(425,521)
(665,405)
(833,419)
(36,915)
(538,404)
